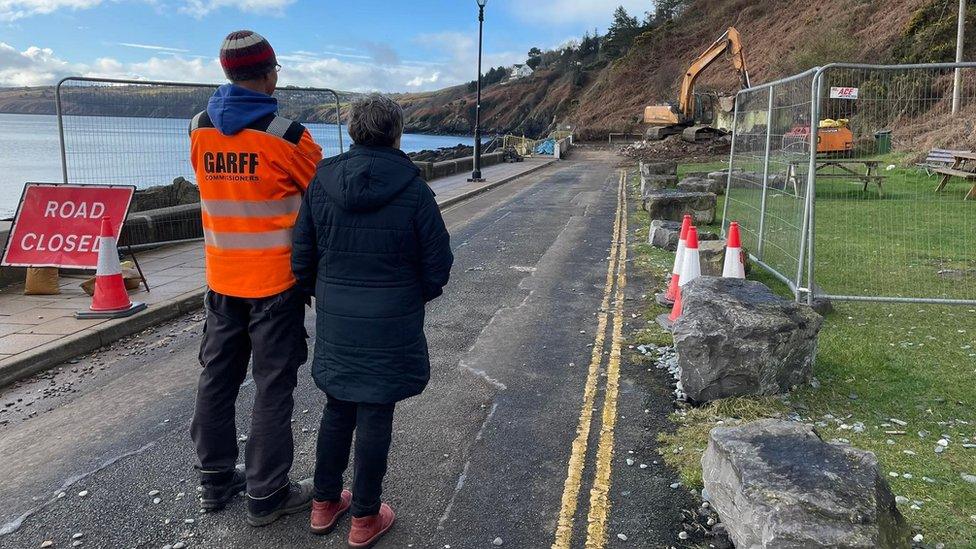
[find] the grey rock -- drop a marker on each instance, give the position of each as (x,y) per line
(711,254)
(665,234)
(736,337)
(722,176)
(672,205)
(653,182)
(701,185)
(665,167)
(777,484)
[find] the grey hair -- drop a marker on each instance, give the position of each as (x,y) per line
(375,120)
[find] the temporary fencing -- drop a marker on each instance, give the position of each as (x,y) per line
(882,223)
(136,132)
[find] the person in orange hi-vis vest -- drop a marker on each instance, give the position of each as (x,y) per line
(252,167)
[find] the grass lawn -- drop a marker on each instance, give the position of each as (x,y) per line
(876,363)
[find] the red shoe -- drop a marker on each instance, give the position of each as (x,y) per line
(366,531)
(326,514)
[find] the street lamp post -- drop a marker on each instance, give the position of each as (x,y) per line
(476,172)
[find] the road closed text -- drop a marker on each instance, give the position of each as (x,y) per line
(59,225)
(32,242)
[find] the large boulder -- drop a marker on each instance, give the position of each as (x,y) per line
(777,484)
(665,234)
(654,182)
(666,167)
(672,205)
(701,185)
(180,192)
(736,337)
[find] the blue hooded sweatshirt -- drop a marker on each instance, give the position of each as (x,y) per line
(233,108)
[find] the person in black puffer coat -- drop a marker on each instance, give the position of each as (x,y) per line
(371,246)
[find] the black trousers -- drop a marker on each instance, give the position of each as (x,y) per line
(272,331)
(373,425)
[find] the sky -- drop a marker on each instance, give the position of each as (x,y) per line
(350,45)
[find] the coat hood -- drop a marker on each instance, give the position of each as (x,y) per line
(233,108)
(366,178)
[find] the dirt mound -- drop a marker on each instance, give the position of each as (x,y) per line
(675,148)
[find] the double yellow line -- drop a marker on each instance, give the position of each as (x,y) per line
(599,511)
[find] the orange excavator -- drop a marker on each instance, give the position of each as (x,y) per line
(687,118)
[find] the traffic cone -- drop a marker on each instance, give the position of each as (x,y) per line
(734,266)
(110,299)
(669,296)
(690,270)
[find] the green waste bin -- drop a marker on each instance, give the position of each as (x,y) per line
(883,140)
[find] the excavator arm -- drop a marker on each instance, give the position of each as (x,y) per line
(730,42)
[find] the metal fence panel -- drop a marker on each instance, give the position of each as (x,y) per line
(882,227)
(767,179)
(136,133)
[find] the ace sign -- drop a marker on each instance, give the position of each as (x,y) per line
(58,225)
(839,92)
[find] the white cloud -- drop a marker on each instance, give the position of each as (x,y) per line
(455,55)
(199,8)
(151,47)
(11,10)
(596,13)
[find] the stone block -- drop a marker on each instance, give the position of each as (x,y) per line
(665,234)
(672,205)
(777,484)
(736,337)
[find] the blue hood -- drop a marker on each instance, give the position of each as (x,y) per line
(233,108)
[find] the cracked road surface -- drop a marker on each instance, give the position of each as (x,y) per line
(523,433)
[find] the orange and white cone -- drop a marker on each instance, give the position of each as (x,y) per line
(672,292)
(110,299)
(734,266)
(690,270)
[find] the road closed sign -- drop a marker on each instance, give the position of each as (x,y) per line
(58,225)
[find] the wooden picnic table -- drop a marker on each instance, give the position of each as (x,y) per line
(963,167)
(865,171)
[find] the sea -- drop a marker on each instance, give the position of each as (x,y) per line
(126,151)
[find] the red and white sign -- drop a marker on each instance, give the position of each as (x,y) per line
(843,93)
(58,225)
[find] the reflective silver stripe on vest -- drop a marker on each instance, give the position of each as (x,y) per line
(248,241)
(278,126)
(253,208)
(195,122)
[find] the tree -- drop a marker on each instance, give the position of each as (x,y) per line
(621,33)
(665,10)
(535,58)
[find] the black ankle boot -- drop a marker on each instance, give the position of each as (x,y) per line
(290,499)
(219,488)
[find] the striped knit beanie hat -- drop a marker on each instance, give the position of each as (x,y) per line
(246,55)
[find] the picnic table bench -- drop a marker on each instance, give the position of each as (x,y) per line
(962,167)
(939,158)
(865,171)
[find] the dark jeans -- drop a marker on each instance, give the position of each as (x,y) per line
(373,424)
(272,331)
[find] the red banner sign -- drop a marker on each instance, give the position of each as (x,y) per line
(58,225)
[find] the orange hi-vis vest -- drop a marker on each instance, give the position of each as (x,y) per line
(251,186)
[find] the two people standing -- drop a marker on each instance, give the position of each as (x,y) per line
(362,233)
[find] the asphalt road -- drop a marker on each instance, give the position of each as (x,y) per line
(484,453)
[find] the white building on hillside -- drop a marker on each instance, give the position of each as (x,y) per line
(520,71)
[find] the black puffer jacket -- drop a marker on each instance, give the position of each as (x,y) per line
(371,245)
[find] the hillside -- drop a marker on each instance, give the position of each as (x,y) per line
(781,37)
(600,87)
